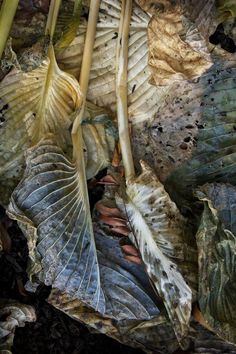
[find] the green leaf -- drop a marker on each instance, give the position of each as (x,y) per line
(51,207)
(163,238)
(216,242)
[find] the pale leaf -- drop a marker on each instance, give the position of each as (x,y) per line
(51,207)
(13,314)
(162,237)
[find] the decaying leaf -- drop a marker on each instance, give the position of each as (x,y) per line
(212,107)
(40,101)
(216,241)
(99,135)
(13,314)
(143,98)
(31,105)
(70,24)
(126,288)
(50,206)
(226,8)
(151,336)
(43,100)
(163,238)
(178,37)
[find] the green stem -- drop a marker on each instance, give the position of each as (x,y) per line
(122,88)
(52,18)
(7,14)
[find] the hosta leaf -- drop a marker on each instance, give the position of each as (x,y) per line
(13,314)
(125,286)
(32,104)
(143,99)
(43,100)
(99,136)
(207,342)
(155,335)
(177,47)
(163,238)
(50,206)
(216,241)
(214,157)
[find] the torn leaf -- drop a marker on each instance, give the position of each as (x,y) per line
(163,238)
(212,108)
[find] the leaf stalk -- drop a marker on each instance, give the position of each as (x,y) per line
(7,13)
(122,88)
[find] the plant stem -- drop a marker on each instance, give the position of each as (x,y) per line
(7,13)
(122,89)
(87,58)
(84,80)
(52,18)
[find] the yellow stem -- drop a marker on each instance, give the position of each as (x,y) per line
(52,18)
(122,88)
(87,58)
(7,13)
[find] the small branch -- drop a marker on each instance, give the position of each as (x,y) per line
(122,89)
(52,18)
(7,13)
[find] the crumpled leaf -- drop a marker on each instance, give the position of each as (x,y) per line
(155,335)
(213,156)
(216,242)
(161,234)
(143,98)
(50,207)
(178,37)
(15,315)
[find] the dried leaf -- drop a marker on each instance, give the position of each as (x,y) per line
(151,336)
(15,315)
(163,239)
(177,50)
(143,98)
(51,208)
(217,259)
(213,158)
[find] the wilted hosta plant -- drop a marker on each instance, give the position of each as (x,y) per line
(67,140)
